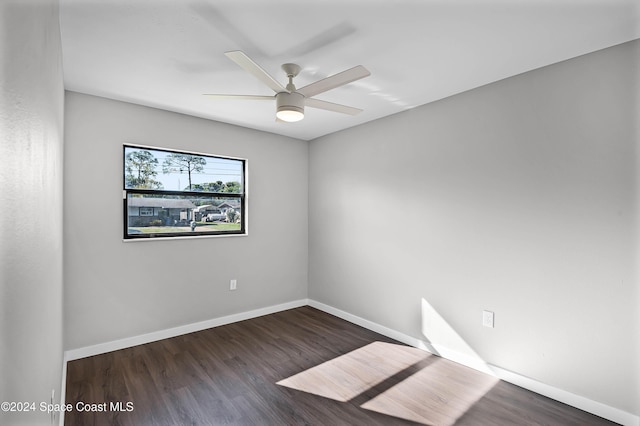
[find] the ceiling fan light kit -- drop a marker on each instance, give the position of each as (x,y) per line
(290,102)
(289,106)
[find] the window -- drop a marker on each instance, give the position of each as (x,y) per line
(182,194)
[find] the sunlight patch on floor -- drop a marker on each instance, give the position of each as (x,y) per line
(437,395)
(349,375)
(435,392)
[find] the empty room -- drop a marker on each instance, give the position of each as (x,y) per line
(319,212)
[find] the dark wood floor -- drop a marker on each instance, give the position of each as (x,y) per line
(230,375)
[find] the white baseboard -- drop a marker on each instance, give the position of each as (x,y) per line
(128,342)
(585,404)
(406,339)
(577,401)
(63,391)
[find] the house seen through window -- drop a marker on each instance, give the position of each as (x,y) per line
(175,193)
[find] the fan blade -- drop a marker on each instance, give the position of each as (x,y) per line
(251,67)
(336,80)
(253,97)
(329,106)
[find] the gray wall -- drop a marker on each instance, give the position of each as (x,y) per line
(31,113)
(116,289)
(519,197)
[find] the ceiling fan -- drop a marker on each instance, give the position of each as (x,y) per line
(290,102)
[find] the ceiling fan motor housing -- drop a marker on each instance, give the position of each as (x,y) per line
(290,106)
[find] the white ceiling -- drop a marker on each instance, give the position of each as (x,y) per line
(167,53)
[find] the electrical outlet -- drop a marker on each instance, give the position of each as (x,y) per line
(233,284)
(488,319)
